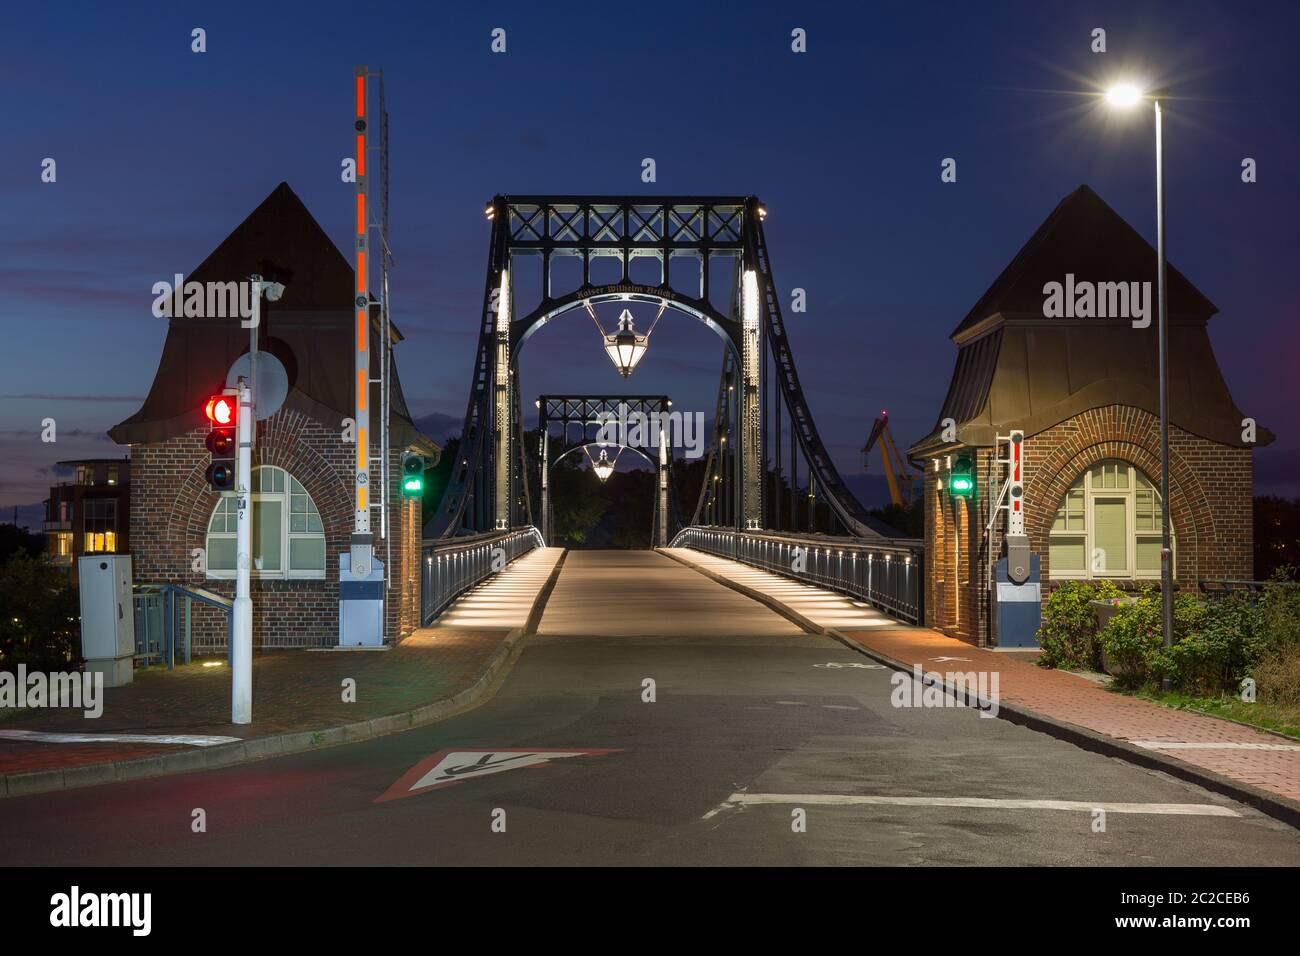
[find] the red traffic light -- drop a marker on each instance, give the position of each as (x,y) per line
(221,410)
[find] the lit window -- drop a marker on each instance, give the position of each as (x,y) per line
(99,525)
(1107,525)
(288,536)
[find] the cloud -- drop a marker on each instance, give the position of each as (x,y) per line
(36,396)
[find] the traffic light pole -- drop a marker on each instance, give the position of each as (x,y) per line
(241,648)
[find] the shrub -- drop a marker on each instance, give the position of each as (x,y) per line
(1067,634)
(1217,644)
(1134,639)
(1279,609)
(1277,676)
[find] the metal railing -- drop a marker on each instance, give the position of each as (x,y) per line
(451,566)
(162,620)
(886,574)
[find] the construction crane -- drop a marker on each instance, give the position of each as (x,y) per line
(901,479)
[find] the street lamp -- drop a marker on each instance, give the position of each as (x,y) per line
(1122,96)
(625,347)
(241,651)
(603,466)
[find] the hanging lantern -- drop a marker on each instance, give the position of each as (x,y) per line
(602,466)
(625,347)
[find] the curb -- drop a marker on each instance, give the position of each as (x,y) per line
(280,745)
(1274,805)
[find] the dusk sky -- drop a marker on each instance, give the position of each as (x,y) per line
(161,152)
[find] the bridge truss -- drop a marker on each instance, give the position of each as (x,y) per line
(635,423)
(709,260)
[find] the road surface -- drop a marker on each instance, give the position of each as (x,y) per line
(763,745)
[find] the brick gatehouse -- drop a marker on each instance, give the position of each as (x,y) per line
(302,483)
(1085,391)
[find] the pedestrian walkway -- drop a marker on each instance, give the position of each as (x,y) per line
(826,608)
(504,600)
(293,691)
(1240,753)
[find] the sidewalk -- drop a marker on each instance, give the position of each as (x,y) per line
(297,695)
(1243,755)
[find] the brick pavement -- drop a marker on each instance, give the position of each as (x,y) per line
(295,690)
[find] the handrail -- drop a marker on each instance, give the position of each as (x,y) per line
(451,566)
(887,574)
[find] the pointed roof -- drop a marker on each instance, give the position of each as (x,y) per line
(1016,368)
(1086,237)
(310,329)
(282,241)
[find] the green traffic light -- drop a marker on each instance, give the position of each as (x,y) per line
(961,483)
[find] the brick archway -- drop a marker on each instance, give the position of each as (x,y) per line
(1132,435)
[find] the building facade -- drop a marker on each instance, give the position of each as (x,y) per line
(184,532)
(91,514)
(1084,388)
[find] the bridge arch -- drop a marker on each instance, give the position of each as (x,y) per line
(521,330)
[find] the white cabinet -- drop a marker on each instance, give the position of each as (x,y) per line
(107,616)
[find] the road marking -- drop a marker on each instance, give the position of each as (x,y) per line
(1172,745)
(983,803)
(836,664)
(838,707)
(789,703)
(40,737)
(447,768)
(950,659)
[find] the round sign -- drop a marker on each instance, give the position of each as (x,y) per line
(272,381)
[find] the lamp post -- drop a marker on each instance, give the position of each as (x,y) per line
(241,651)
(1123,96)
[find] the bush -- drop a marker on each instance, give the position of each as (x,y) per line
(1219,645)
(1277,676)
(1067,634)
(1279,609)
(1134,639)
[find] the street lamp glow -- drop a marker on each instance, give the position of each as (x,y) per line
(625,347)
(1123,95)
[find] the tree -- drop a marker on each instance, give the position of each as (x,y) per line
(38,626)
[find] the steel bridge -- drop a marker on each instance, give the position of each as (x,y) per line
(769,482)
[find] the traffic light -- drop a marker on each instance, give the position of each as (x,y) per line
(412,475)
(222,412)
(961,480)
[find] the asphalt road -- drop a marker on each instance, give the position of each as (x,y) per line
(747,727)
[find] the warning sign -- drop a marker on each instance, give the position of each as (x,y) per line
(447,768)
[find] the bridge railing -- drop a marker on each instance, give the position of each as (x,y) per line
(886,574)
(451,566)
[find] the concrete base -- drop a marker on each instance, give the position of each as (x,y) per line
(118,672)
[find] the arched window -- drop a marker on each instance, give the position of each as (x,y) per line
(1107,525)
(288,537)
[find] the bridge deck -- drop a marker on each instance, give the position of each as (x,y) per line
(645,594)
